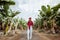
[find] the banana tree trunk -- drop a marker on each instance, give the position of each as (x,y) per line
(53,25)
(21,27)
(45,24)
(38,27)
(16,26)
(9,29)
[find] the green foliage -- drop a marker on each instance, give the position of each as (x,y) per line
(48,14)
(44,8)
(23,23)
(38,23)
(7,2)
(5,7)
(55,8)
(12,13)
(6,17)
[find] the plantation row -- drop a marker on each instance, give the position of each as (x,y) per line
(7,20)
(48,18)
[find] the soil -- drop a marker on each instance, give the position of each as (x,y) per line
(36,36)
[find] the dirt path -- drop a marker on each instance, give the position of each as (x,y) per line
(22,36)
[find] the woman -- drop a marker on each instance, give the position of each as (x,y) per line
(29,28)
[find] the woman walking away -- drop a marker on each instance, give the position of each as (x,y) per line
(29,28)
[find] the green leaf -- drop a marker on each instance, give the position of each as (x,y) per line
(44,8)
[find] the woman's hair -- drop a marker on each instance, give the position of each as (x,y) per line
(29,17)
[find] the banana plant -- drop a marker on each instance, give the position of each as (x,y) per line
(22,24)
(49,14)
(6,18)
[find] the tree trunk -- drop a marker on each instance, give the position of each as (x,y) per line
(21,27)
(53,25)
(9,29)
(38,27)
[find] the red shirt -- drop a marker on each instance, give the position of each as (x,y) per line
(30,23)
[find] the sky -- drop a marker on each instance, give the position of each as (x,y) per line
(29,8)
